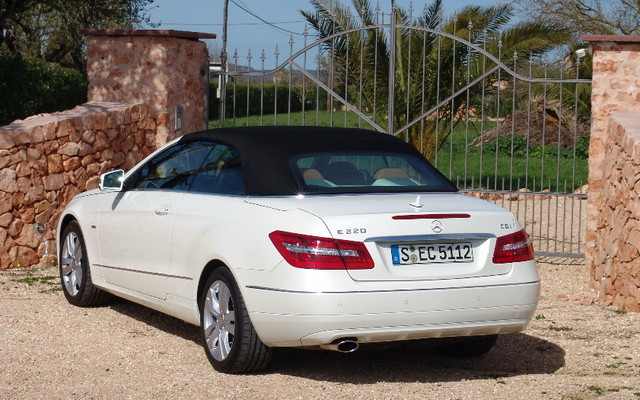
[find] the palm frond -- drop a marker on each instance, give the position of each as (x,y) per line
(429,67)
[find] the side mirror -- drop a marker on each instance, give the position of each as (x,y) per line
(113,180)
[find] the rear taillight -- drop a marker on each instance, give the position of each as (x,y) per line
(321,253)
(513,248)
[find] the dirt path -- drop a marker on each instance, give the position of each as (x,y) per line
(52,350)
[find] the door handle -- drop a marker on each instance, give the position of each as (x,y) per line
(162,211)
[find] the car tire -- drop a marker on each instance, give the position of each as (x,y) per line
(75,274)
(474,346)
(229,339)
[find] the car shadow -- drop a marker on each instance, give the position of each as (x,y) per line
(412,361)
(419,361)
(166,323)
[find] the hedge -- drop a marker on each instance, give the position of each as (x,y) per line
(30,85)
(237,99)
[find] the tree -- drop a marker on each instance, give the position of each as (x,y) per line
(40,37)
(50,29)
(598,17)
(430,67)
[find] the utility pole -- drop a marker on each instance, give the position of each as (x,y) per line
(392,70)
(223,62)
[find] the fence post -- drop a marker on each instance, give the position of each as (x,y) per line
(166,68)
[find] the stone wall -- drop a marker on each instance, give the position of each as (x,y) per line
(136,80)
(165,68)
(611,245)
(47,159)
(616,255)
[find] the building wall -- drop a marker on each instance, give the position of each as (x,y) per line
(613,203)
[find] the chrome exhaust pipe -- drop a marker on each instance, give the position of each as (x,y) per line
(346,345)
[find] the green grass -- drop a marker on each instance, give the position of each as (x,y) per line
(32,280)
(596,389)
(472,167)
(560,328)
(46,283)
(308,118)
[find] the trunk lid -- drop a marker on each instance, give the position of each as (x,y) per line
(432,236)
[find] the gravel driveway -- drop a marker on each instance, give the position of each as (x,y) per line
(573,349)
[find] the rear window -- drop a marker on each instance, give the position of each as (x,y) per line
(367,172)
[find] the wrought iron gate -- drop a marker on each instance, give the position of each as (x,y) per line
(518,139)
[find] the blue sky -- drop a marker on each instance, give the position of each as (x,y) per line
(247,32)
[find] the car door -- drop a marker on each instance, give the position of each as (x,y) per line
(136,229)
(211,203)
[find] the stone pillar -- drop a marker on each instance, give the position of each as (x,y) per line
(616,87)
(167,69)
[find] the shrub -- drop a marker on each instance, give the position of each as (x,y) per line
(582,146)
(30,85)
(517,143)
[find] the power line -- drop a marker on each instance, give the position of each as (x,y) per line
(236,24)
(243,8)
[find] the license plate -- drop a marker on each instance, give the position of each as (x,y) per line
(459,252)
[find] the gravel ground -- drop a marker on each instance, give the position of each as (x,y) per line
(573,349)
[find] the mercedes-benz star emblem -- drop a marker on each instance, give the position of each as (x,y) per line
(436,226)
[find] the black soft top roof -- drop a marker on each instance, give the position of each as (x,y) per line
(265,152)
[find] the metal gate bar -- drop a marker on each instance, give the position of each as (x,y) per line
(465,124)
(556,222)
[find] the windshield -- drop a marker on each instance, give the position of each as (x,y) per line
(367,172)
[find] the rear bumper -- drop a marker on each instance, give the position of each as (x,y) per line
(289,318)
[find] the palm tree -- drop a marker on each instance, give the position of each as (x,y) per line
(434,61)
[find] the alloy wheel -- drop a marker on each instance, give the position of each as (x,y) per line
(71,263)
(219,320)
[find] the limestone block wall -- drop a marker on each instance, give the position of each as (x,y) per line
(165,68)
(612,204)
(136,80)
(47,159)
(616,255)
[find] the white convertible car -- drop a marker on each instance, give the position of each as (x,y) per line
(300,237)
